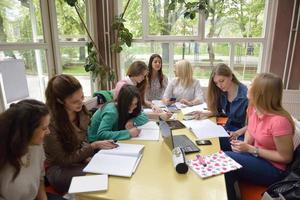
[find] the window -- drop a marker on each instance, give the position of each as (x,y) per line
(233,33)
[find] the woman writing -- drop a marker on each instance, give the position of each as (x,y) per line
(268,144)
(23,127)
(117,120)
(67,150)
(184,88)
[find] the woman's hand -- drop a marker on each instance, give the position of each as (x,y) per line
(240,146)
(129,125)
(165,115)
(233,135)
(105,144)
(134,132)
(186,102)
(156,109)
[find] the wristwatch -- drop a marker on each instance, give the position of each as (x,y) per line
(256,151)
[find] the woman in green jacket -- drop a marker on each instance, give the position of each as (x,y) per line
(118,120)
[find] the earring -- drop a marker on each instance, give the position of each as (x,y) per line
(60,101)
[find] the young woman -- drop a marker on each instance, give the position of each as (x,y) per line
(67,151)
(226,96)
(23,127)
(117,120)
(157,81)
(268,144)
(185,89)
(136,75)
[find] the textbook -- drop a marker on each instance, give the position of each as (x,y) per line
(88,183)
(120,161)
(149,131)
(212,165)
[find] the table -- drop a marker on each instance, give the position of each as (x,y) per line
(156,178)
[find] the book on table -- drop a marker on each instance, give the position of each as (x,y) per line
(212,165)
(120,161)
(88,183)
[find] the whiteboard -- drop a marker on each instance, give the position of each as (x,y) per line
(14,79)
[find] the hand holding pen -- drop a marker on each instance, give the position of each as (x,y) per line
(134,132)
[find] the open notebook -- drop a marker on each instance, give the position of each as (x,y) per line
(121,161)
(149,131)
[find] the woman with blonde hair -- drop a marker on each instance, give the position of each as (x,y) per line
(268,144)
(184,88)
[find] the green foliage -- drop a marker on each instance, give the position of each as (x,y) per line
(191,8)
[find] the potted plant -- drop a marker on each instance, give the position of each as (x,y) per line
(95,63)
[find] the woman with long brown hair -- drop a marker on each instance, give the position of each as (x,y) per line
(67,150)
(23,127)
(268,144)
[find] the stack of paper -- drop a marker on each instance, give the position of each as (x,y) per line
(205,129)
(88,183)
(217,163)
(121,161)
(190,109)
(149,131)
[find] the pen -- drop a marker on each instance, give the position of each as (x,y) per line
(201,160)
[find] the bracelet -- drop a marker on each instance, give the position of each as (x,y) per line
(256,152)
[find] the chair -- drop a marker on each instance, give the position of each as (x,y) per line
(291,102)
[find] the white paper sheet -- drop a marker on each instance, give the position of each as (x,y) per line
(88,183)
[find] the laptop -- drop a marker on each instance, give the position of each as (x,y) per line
(181,141)
(175,124)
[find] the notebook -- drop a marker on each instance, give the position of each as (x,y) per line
(181,141)
(215,164)
(149,131)
(121,161)
(88,183)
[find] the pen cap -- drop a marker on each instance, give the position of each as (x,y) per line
(179,161)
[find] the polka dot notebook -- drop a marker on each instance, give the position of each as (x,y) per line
(214,164)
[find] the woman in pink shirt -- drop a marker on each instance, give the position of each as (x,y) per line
(268,144)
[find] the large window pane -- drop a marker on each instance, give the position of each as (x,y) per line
(69,25)
(20,21)
(246,60)
(235,19)
(36,69)
(165,22)
(133,23)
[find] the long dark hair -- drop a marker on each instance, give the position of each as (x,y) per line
(17,125)
(150,69)
(135,69)
(213,92)
(124,100)
(59,88)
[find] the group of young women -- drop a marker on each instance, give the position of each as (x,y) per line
(262,143)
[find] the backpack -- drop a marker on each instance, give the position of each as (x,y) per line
(289,187)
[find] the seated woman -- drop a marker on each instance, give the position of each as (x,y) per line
(23,127)
(185,89)
(136,75)
(268,144)
(157,81)
(67,150)
(117,120)
(226,96)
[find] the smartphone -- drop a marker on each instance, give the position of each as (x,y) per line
(173,99)
(203,142)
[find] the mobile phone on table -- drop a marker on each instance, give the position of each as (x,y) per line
(203,142)
(173,99)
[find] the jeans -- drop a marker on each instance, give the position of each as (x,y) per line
(224,141)
(255,170)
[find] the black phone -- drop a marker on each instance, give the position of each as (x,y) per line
(173,99)
(203,142)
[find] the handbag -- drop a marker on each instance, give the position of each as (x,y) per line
(289,187)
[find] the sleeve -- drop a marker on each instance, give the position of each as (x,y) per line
(281,126)
(141,119)
(55,152)
(105,129)
(198,92)
(169,91)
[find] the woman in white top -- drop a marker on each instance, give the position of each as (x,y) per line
(157,81)
(23,127)
(184,88)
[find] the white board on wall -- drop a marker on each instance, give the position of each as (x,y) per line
(14,79)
